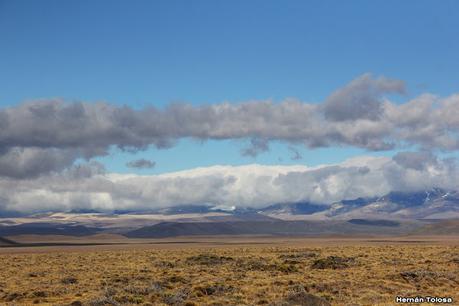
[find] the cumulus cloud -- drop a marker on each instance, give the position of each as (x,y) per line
(141,164)
(361,98)
(56,133)
(415,160)
(19,162)
(87,186)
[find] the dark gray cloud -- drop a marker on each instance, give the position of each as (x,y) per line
(361,98)
(85,170)
(57,133)
(295,153)
(141,164)
(31,162)
(257,146)
(415,160)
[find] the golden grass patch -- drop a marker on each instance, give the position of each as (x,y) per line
(260,275)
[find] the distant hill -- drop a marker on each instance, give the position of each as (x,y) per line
(47,229)
(300,208)
(249,216)
(174,210)
(374,222)
(277,227)
(4,241)
(444,227)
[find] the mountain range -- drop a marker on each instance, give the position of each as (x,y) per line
(393,213)
(428,204)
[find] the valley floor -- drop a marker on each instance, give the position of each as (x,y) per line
(232,271)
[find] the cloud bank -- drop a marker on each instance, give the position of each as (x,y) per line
(87,186)
(57,133)
(47,146)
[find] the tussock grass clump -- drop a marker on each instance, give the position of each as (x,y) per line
(208,259)
(306,299)
(139,290)
(165,264)
(252,264)
(176,279)
(265,265)
(418,275)
(36,274)
(118,279)
(333,262)
(298,256)
(107,298)
(297,295)
(427,276)
(69,280)
(212,289)
(39,294)
(177,297)
(103,301)
(13,297)
(287,268)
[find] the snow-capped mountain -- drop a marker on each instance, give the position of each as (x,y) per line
(430,204)
(301,208)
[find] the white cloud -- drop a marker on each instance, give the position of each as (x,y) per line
(225,186)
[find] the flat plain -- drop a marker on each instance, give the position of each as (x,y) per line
(230,271)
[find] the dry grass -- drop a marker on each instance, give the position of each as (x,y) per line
(259,275)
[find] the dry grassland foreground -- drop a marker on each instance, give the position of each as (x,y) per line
(260,275)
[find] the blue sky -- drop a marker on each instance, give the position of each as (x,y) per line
(143,53)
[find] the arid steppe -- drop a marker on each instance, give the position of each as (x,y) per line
(232,271)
